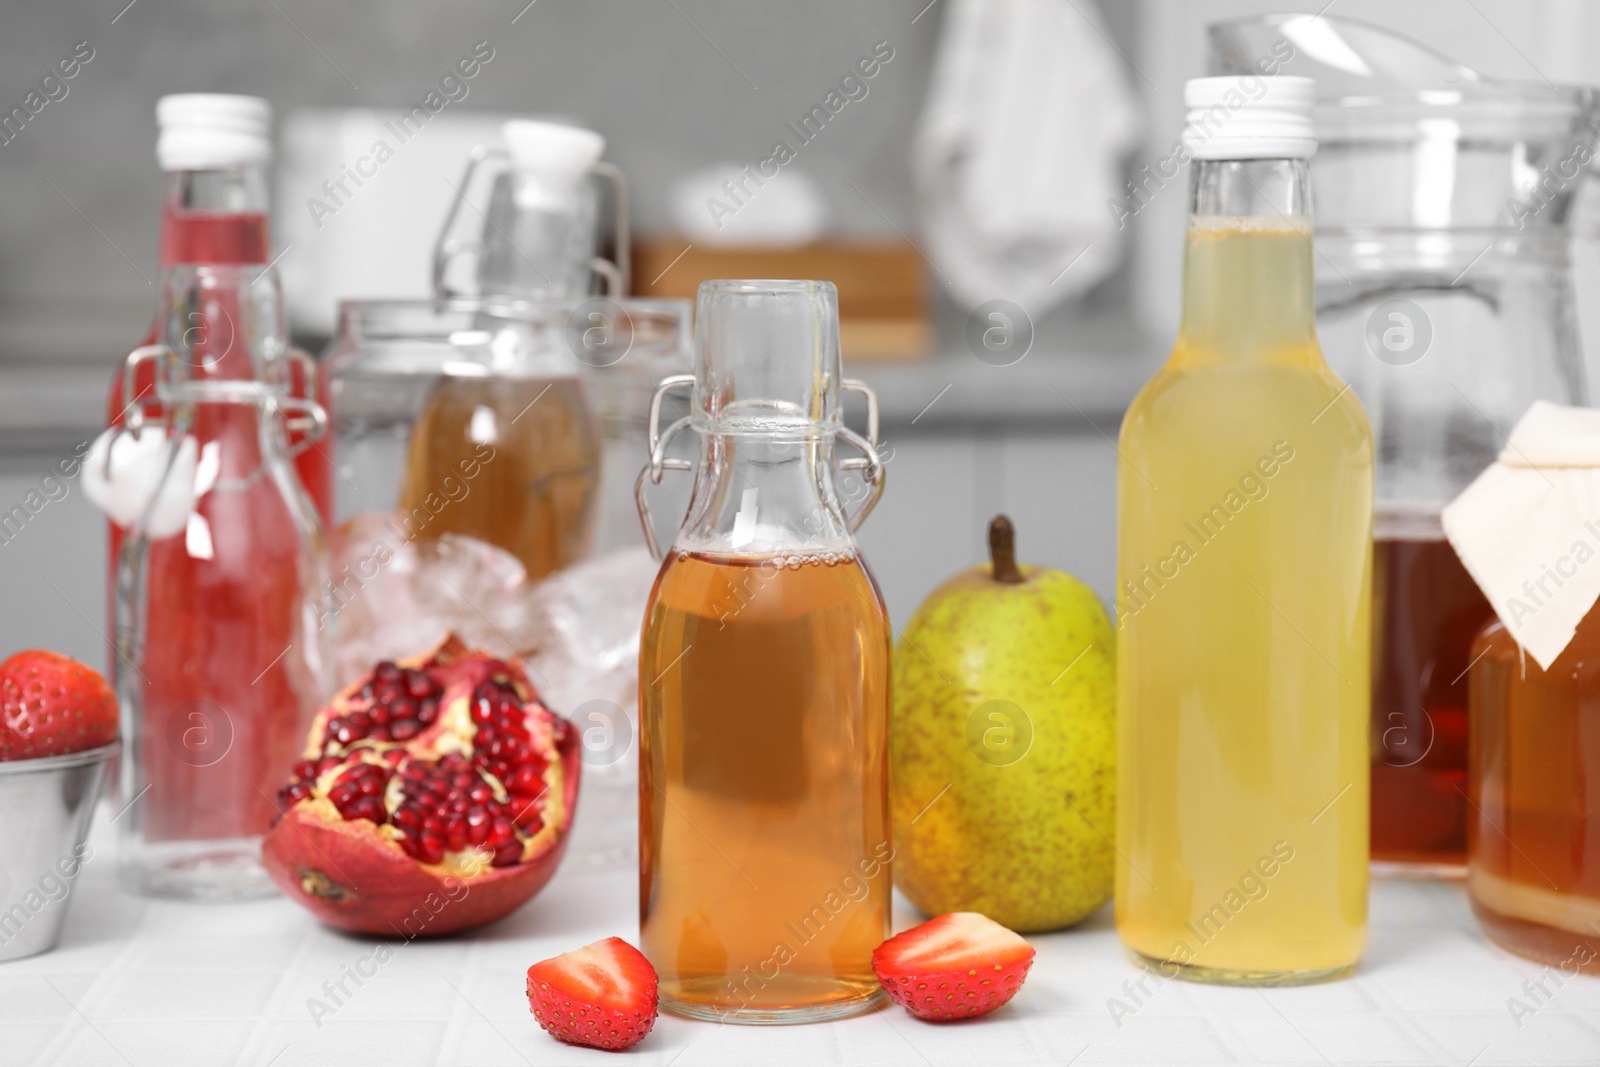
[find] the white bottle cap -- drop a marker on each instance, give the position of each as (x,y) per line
(213,131)
(551,152)
(1249,117)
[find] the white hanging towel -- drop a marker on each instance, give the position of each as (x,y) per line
(1019,151)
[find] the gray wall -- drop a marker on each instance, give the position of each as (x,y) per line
(668,99)
(674,86)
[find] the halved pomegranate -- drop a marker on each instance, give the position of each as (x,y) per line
(434,795)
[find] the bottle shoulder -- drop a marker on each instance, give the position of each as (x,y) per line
(1302,394)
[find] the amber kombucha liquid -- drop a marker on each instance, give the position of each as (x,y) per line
(764,835)
(1426,610)
(534,452)
(1534,833)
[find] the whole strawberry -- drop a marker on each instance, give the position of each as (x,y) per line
(51,705)
(956,966)
(602,995)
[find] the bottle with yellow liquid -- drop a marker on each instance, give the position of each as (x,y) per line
(1244,585)
(764,848)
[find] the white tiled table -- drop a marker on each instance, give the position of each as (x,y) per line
(137,982)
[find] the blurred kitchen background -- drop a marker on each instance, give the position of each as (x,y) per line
(974,165)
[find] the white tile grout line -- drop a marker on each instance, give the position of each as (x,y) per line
(277,1008)
(87,1003)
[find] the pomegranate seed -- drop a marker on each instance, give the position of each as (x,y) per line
(507,854)
(455,834)
(477,819)
(428,711)
(368,808)
(501,830)
(430,847)
(407,817)
(523,780)
(380,715)
(404,730)
(432,824)
(419,685)
(386,671)
(481,793)
(290,795)
(525,813)
(386,692)
(379,733)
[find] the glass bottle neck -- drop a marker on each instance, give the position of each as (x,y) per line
(539,240)
(763,497)
(1247,270)
(215,216)
(223,323)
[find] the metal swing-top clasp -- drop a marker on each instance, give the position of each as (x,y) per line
(660,463)
(303,416)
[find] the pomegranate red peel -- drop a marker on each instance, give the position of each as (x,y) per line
(433,796)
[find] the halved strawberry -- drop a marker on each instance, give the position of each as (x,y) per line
(51,705)
(603,995)
(957,966)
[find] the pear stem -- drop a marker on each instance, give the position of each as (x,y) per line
(1003,552)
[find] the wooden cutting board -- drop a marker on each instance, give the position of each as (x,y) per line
(883,307)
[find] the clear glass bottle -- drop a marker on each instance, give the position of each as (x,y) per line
(220,621)
(214,152)
(1245,511)
(540,236)
(763,683)
(540,499)
(1444,296)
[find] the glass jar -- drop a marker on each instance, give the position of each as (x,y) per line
(417,386)
(221,622)
(1533,788)
(1445,297)
(763,680)
(386,369)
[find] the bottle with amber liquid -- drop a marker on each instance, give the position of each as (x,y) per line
(763,682)
(538,497)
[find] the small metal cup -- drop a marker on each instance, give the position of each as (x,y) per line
(45,809)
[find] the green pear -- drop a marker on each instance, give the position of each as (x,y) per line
(1002,746)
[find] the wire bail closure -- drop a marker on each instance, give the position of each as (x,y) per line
(303,416)
(660,463)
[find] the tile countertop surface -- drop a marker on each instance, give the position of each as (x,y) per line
(139,982)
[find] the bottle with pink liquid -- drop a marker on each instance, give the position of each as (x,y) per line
(219,560)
